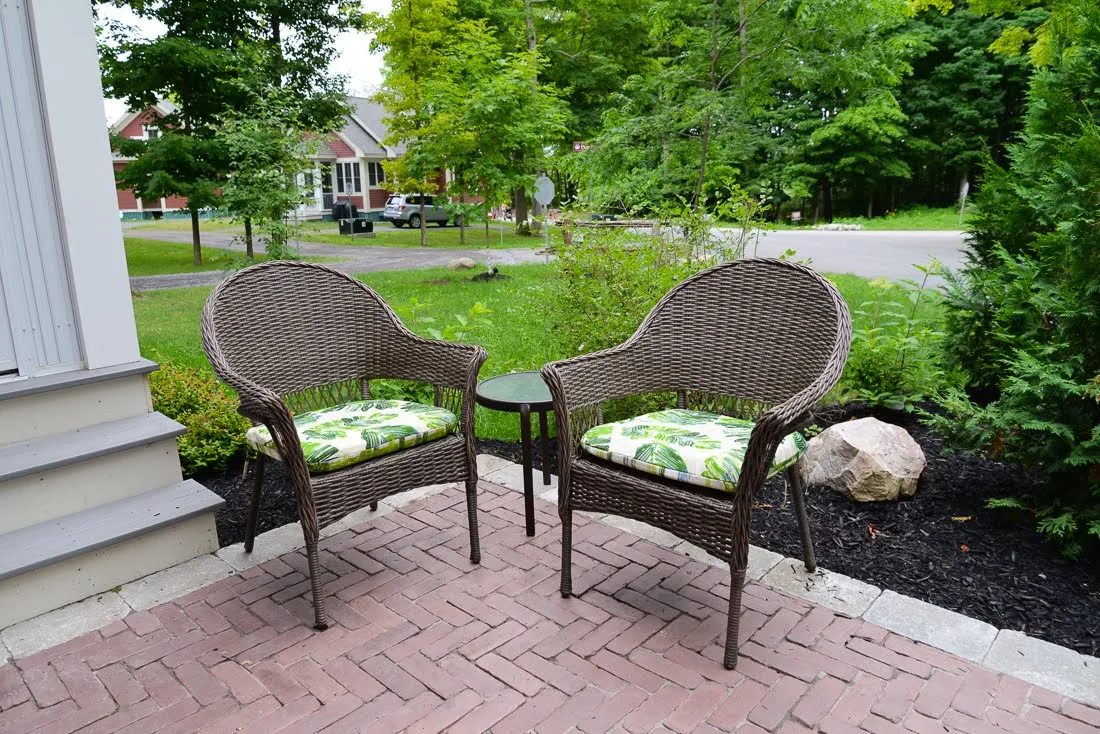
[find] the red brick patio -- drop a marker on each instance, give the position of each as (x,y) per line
(422,641)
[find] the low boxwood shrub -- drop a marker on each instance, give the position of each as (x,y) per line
(215,430)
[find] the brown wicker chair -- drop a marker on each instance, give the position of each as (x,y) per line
(757,339)
(292,336)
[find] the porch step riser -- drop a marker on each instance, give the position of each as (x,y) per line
(34,498)
(76,578)
(49,413)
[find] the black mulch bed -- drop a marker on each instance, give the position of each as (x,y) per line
(992,566)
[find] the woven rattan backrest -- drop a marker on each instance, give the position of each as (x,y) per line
(290,325)
(757,329)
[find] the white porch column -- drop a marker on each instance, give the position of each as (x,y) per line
(72,98)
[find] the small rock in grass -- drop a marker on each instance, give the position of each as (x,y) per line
(461,263)
(867,459)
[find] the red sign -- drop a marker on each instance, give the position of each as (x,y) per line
(579,147)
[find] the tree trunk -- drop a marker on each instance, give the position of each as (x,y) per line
(536,212)
(196,244)
(871,204)
(423,225)
(714,53)
(697,197)
(488,209)
(827,200)
(248,252)
(817,207)
(519,206)
(462,220)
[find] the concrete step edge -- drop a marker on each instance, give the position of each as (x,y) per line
(71,447)
(44,544)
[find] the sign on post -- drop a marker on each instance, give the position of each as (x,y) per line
(544,190)
(544,194)
(579,147)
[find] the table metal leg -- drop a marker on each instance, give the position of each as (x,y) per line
(528,481)
(544,437)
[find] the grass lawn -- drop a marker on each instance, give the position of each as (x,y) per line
(516,333)
(918,218)
(442,237)
(183,225)
(386,235)
(156,257)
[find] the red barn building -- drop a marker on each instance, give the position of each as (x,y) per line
(348,164)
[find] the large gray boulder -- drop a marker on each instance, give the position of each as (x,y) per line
(461,263)
(866,459)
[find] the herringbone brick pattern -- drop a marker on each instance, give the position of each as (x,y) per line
(422,642)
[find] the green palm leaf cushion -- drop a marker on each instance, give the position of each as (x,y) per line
(351,433)
(688,446)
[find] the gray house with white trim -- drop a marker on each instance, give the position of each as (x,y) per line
(91,494)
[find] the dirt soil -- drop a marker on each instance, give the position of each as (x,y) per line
(943,546)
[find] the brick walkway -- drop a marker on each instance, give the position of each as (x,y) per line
(424,642)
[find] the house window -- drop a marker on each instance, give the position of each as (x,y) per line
(376,173)
(150,132)
(347,178)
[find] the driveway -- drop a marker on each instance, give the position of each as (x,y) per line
(354,258)
(886,254)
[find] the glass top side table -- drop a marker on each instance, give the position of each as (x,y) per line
(523,393)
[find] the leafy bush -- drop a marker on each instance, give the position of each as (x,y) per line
(1024,315)
(413,315)
(215,431)
(607,280)
(896,358)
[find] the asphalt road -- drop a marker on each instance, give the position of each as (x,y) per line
(886,254)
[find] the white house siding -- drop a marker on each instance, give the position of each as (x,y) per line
(42,332)
(72,97)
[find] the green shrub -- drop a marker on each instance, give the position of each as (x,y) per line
(897,357)
(215,431)
(607,280)
(1024,315)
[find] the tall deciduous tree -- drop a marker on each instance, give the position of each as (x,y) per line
(415,37)
(459,101)
(194,66)
(211,61)
(699,116)
(962,100)
(268,154)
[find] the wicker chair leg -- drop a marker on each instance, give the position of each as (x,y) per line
(319,616)
(566,554)
(374,507)
(471,514)
(733,620)
(254,506)
(795,481)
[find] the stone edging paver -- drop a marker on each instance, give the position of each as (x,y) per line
(1035,661)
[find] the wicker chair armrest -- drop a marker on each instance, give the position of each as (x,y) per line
(443,363)
(776,424)
(590,379)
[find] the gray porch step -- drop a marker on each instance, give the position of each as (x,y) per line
(54,541)
(10,389)
(71,447)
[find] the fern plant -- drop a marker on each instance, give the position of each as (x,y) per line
(896,359)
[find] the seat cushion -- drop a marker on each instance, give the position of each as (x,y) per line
(347,434)
(685,445)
